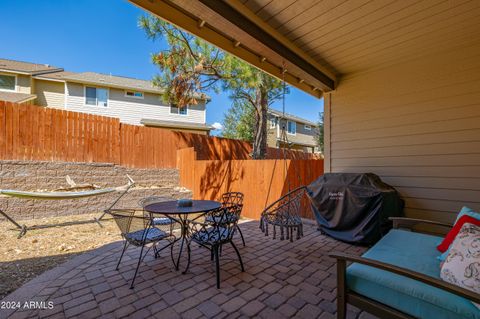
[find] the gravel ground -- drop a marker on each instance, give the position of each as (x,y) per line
(43,249)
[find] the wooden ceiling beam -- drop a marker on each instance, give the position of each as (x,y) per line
(258,32)
(187,21)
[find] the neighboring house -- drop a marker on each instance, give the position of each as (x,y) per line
(16,80)
(301,134)
(131,100)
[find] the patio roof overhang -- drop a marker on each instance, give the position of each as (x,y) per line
(322,41)
(231,26)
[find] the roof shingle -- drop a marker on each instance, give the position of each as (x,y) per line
(111,80)
(26,67)
(16,97)
(292,117)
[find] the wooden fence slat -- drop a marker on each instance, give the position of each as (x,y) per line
(99,147)
(76,155)
(47,141)
(3,134)
(35,141)
(111,141)
(108,141)
(122,141)
(52,137)
(116,136)
(54,132)
(16,132)
(3,130)
(88,133)
(25,132)
(70,147)
(64,133)
(8,131)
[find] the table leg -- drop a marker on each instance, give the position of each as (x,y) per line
(180,254)
(188,261)
(183,221)
(183,234)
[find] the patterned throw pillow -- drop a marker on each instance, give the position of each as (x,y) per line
(452,234)
(462,266)
(464,211)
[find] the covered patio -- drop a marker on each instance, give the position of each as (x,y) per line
(401,87)
(282,280)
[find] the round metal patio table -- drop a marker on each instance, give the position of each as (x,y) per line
(180,215)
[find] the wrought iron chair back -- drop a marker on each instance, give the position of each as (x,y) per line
(285,213)
(216,227)
(232,198)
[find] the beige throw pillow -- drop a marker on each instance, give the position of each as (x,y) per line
(462,266)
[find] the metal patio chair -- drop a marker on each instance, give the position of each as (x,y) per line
(285,214)
(229,199)
(158,221)
(139,231)
(215,229)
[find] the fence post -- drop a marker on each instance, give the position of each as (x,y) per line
(186,158)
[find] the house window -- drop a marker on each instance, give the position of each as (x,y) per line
(273,122)
(96,96)
(308,127)
(174,109)
(135,94)
(7,82)
(291,127)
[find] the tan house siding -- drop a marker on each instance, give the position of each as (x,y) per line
(272,137)
(417,125)
(50,93)
(302,135)
(24,84)
(131,110)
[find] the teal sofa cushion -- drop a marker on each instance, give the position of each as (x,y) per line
(416,252)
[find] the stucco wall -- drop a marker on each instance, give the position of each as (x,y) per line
(31,176)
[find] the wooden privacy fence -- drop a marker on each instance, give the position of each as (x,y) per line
(261,181)
(29,132)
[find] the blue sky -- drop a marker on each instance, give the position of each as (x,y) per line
(100,36)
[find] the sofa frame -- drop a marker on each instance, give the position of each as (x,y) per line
(346,296)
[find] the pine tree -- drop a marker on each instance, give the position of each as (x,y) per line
(191,66)
(239,121)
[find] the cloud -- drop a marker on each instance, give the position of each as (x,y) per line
(217,126)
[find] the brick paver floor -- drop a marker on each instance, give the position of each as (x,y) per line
(281,280)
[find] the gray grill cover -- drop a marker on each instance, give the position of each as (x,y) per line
(354,208)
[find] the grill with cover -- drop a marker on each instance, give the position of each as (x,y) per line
(352,207)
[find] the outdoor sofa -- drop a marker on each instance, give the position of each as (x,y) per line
(399,277)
